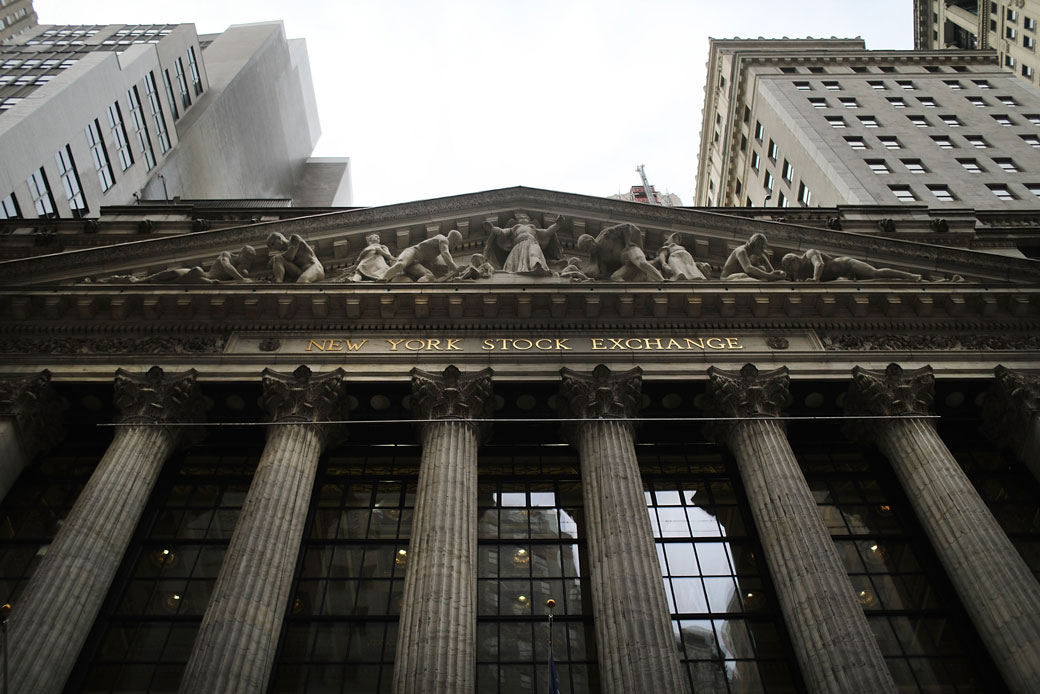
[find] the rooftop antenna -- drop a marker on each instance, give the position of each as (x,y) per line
(650,196)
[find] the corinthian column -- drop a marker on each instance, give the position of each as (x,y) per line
(835,646)
(235,648)
(54,616)
(996,586)
(30,423)
(638,651)
(437,635)
(1011,412)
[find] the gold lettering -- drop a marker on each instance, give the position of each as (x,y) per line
(434,344)
(691,343)
(597,343)
(720,345)
(615,343)
(516,344)
(734,343)
(414,345)
(561,343)
(489,344)
(355,346)
(538,344)
(503,342)
(315,343)
(453,345)
(656,340)
(674,344)
(629,341)
(393,344)
(335,346)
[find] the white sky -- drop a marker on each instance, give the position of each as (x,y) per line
(448,97)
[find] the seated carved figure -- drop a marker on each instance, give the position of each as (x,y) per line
(522,247)
(226,267)
(478,269)
(373,261)
(293,259)
(820,267)
(615,253)
(750,261)
(677,263)
(428,260)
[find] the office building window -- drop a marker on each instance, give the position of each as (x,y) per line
(755,161)
(169,95)
(747,114)
(802,86)
(878,166)
(9,208)
(70,181)
(927,102)
(816,69)
(906,84)
(953,84)
(144,139)
(818,102)
(1029,42)
(100,156)
(155,107)
(982,84)
(848,102)
(760,131)
(1010,33)
(951,121)
(773,151)
(970,165)
(942,193)
(182,83)
(868,122)
(1034,188)
(903,193)
(193,67)
(768,181)
(1001,191)
(781,201)
(1009,61)
(1027,71)
(879,85)
(1029,23)
(743,143)
(788,171)
(804,194)
(1003,119)
(914,166)
(787,70)
(1031,140)
(976,101)
(1006,164)
(832,86)
(977,141)
(897,101)
(40,192)
(890,142)
(856,142)
(919,121)
(118,130)
(836,121)
(1033,118)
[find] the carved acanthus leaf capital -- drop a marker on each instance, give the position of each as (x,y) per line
(745,394)
(157,398)
(454,395)
(599,395)
(305,397)
(35,408)
(892,392)
(1010,406)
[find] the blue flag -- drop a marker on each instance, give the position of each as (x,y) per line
(554,677)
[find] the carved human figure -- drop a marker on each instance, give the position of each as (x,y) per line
(615,253)
(574,271)
(435,252)
(228,266)
(820,267)
(373,261)
(750,261)
(677,263)
(293,259)
(522,247)
(478,269)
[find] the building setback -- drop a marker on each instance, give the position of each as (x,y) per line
(151,105)
(221,483)
(805,122)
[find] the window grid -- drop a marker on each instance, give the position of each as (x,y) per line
(144,139)
(169,95)
(118,130)
(193,66)
(155,107)
(9,208)
(40,192)
(182,82)
(890,142)
(70,181)
(98,152)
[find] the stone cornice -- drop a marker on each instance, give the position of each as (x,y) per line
(454,395)
(36,410)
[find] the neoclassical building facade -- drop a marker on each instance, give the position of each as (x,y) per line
(299,450)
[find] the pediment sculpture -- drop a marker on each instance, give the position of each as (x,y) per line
(226,267)
(522,247)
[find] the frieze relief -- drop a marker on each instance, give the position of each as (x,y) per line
(929,342)
(114,345)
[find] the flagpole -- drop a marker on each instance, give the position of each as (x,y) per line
(550,604)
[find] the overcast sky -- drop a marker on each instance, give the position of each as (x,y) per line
(448,97)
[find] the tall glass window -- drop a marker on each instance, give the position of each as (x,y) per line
(115,124)
(144,139)
(99,154)
(182,83)
(193,65)
(70,181)
(155,106)
(9,208)
(40,192)
(169,94)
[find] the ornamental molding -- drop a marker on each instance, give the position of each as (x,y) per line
(930,341)
(85,346)
(35,409)
(304,397)
(452,395)
(602,394)
(157,398)
(892,392)
(744,395)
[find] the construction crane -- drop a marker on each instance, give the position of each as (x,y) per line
(650,197)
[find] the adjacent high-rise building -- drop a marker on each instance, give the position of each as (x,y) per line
(107,115)
(1007,26)
(807,122)
(16,17)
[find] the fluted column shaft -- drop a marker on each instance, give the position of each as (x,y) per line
(637,646)
(996,586)
(235,647)
(638,650)
(234,650)
(53,618)
(835,646)
(437,633)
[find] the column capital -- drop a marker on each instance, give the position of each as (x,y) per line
(155,397)
(602,394)
(745,394)
(892,392)
(35,408)
(304,397)
(1010,406)
(453,395)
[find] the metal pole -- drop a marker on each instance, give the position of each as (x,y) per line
(5,610)
(550,603)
